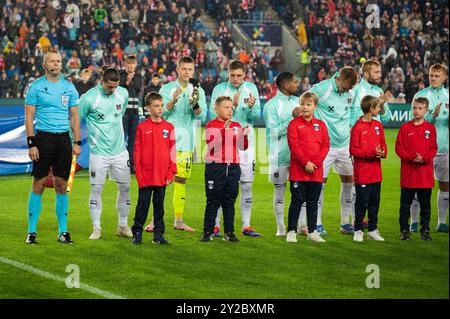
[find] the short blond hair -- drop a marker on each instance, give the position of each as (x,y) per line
(309,95)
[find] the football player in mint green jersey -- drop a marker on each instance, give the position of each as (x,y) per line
(103,108)
(49,100)
(278,115)
(437,95)
(371,73)
(335,101)
(184,106)
(247,108)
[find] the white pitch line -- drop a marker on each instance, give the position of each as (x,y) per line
(48,275)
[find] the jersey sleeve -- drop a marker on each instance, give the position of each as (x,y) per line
(84,106)
(74,97)
(31,96)
(164,91)
(203,106)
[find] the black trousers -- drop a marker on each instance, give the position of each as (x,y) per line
(302,192)
(144,199)
(406,199)
(367,199)
(222,189)
(130,122)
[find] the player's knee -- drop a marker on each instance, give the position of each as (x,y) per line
(96,189)
(124,188)
(60,185)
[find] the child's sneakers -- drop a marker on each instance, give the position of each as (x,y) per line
(206,237)
(404,235)
(291,236)
(414,227)
(358,236)
(315,236)
(159,239)
(425,235)
(374,235)
(442,228)
(137,238)
(231,237)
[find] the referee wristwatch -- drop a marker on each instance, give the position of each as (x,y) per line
(77,142)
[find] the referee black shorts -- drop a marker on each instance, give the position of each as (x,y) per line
(55,150)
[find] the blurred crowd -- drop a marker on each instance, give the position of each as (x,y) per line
(409,38)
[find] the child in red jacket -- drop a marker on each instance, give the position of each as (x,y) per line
(222,171)
(368,147)
(309,144)
(416,146)
(154,160)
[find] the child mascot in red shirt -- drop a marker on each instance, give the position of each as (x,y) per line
(368,147)
(222,171)
(309,144)
(416,146)
(155,165)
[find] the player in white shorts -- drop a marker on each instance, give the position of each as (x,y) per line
(103,108)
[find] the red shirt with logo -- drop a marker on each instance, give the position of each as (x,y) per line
(224,143)
(412,140)
(364,138)
(308,142)
(155,153)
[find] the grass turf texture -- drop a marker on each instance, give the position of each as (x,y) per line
(254,268)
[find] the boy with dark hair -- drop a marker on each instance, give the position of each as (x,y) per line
(155,157)
(222,171)
(368,147)
(416,146)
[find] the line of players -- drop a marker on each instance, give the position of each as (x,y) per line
(338,106)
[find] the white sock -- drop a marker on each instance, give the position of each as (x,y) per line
(346,202)
(302,217)
(218,217)
(95,204)
(246,203)
(442,202)
(415,206)
(320,206)
(123,203)
(353,204)
(278,203)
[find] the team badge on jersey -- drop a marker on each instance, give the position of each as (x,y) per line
(65,100)
(316,127)
(377,130)
(165,133)
(118,107)
(349,100)
(427,134)
(236,130)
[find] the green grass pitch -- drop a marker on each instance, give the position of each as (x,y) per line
(265,267)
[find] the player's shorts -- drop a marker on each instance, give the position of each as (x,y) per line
(341,161)
(279,175)
(117,167)
(441,168)
(55,150)
(247,163)
(184,164)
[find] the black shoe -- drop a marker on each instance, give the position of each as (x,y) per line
(425,235)
(160,240)
(404,235)
(31,239)
(65,238)
(206,237)
(230,237)
(137,238)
